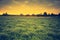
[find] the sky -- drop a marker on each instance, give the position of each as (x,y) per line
(16,7)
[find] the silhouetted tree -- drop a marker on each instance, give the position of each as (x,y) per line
(33,15)
(52,14)
(28,15)
(38,15)
(59,14)
(45,14)
(21,15)
(5,14)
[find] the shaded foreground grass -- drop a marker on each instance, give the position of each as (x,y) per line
(26,28)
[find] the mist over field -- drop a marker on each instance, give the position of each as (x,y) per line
(29,28)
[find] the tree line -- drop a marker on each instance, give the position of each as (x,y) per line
(44,14)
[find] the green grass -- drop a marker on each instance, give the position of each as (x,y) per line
(29,28)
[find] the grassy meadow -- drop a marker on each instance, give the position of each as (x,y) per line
(29,28)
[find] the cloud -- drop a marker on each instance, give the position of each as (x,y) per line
(5,2)
(48,3)
(52,3)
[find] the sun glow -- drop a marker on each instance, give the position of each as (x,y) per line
(16,7)
(28,9)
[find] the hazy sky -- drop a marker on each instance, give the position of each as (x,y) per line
(29,6)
